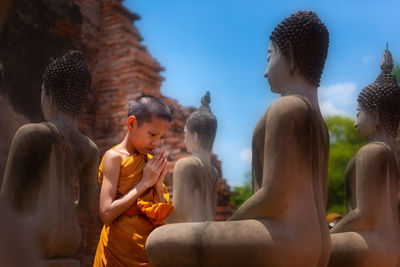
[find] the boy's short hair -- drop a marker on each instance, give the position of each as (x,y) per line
(147,106)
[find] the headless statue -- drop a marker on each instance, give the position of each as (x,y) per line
(46,159)
(283,223)
(195,180)
(369,234)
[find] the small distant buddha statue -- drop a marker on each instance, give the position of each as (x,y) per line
(369,234)
(195,179)
(283,223)
(47,158)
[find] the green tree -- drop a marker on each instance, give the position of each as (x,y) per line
(242,193)
(396,71)
(344,143)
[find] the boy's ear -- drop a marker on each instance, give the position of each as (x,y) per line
(131,121)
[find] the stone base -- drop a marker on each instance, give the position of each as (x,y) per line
(61,263)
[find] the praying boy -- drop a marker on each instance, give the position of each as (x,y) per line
(133,198)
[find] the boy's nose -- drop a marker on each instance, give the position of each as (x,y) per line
(155,143)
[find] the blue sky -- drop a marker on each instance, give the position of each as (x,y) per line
(220,46)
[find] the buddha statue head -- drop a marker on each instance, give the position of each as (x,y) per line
(379,103)
(302,40)
(66,83)
(201,126)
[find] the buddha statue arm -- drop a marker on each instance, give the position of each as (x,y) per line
(30,150)
(286,161)
(371,170)
(88,181)
(183,186)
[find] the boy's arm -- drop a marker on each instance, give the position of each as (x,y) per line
(110,207)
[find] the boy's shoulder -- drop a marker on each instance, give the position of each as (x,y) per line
(113,157)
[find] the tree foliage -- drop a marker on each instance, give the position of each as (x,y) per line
(242,193)
(396,72)
(344,143)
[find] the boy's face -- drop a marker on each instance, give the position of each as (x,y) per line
(147,137)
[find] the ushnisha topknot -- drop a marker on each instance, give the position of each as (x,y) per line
(309,39)
(203,122)
(67,79)
(384,96)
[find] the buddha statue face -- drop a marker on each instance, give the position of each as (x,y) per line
(303,39)
(278,69)
(366,122)
(382,98)
(190,140)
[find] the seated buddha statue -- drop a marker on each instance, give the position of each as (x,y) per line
(369,234)
(47,158)
(195,179)
(283,223)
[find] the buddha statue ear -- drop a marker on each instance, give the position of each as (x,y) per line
(375,115)
(290,57)
(52,101)
(196,139)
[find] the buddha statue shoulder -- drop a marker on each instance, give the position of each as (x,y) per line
(283,223)
(369,234)
(47,158)
(195,179)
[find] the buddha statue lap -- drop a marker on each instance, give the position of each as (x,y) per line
(369,234)
(283,223)
(195,179)
(46,158)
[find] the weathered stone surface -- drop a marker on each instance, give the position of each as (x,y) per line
(46,159)
(195,179)
(16,246)
(369,234)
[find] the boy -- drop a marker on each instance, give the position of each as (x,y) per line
(133,199)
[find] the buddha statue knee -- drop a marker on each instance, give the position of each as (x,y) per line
(46,158)
(369,234)
(283,223)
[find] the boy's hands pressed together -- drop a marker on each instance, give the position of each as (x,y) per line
(160,179)
(154,169)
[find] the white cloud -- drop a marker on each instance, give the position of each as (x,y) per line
(340,93)
(245,155)
(329,109)
(338,99)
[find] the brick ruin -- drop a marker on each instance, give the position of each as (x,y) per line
(31,32)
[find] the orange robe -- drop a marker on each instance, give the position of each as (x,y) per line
(123,242)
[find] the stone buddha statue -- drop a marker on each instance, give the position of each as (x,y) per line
(369,234)
(283,223)
(195,179)
(47,158)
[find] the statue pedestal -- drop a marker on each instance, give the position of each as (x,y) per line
(61,263)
